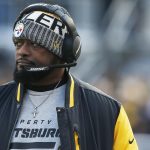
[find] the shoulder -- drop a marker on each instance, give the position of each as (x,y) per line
(93,90)
(96,98)
(8,85)
(101,106)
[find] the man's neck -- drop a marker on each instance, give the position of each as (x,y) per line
(51,78)
(50,86)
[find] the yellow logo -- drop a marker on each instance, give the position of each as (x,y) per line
(56,45)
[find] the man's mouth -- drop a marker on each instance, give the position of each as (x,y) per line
(24,63)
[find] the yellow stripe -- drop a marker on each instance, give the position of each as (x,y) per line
(71,104)
(18,93)
(76,141)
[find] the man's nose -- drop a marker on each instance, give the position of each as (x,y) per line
(24,49)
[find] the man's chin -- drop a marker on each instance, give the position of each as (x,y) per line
(27,77)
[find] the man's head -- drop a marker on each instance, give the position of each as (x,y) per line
(49,27)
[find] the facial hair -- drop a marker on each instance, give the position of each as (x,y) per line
(28,77)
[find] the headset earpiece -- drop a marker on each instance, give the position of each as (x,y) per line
(67,49)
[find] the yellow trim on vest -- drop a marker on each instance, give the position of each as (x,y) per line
(77,147)
(18,93)
(123,136)
(71,104)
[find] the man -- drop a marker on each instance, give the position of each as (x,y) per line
(46,107)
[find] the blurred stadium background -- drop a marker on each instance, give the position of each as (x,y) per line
(115,51)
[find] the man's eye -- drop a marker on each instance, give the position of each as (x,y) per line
(35,45)
(18,44)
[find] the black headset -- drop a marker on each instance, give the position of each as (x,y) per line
(71,48)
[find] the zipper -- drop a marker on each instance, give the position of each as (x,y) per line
(76,139)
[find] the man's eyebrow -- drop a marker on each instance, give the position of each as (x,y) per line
(18,40)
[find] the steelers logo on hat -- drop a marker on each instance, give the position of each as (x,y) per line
(18,29)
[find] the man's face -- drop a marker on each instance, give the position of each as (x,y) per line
(29,55)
